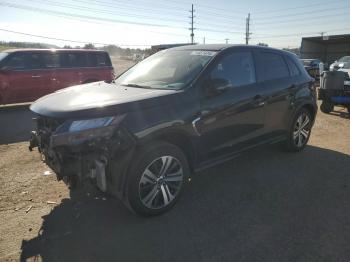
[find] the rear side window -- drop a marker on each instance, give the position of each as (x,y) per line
(35,61)
(73,59)
(51,60)
(293,69)
(237,68)
(97,59)
(273,66)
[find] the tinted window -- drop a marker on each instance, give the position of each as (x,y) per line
(102,59)
(74,59)
(2,56)
(51,60)
(273,66)
(236,68)
(35,61)
(15,62)
(99,59)
(293,69)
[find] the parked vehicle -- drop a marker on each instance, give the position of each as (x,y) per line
(176,112)
(27,74)
(341,63)
(335,90)
(312,66)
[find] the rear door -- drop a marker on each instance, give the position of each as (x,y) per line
(71,71)
(52,65)
(231,119)
(278,88)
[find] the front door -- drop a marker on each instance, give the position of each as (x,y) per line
(25,79)
(233,114)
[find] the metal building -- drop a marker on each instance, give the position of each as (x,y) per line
(326,48)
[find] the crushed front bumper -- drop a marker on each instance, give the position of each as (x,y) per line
(100,159)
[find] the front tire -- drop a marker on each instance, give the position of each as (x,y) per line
(156,178)
(300,131)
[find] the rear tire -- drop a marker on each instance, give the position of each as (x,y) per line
(326,107)
(156,178)
(300,131)
(348,108)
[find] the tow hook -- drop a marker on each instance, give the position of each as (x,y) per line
(33,142)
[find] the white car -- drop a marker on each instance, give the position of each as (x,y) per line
(343,62)
(347,81)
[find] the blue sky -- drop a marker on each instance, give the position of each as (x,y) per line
(146,22)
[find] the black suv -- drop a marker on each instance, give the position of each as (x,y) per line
(178,111)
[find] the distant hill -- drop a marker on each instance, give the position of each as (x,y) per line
(10,45)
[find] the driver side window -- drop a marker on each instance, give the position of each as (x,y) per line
(16,62)
(236,69)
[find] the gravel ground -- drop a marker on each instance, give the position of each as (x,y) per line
(265,205)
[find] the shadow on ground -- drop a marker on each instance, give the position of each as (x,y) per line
(16,124)
(263,206)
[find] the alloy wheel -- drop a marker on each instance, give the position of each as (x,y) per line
(161,182)
(301,130)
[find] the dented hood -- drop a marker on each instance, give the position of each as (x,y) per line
(98,99)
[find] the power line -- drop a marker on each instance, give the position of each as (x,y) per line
(65,40)
(298,7)
(301,34)
(46,11)
(89,17)
(309,19)
(102,11)
(207,6)
(299,14)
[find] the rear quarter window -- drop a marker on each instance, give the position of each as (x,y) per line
(293,68)
(73,59)
(99,59)
(272,66)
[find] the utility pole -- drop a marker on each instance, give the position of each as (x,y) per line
(226,39)
(247,30)
(192,28)
(203,40)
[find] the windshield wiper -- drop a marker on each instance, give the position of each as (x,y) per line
(136,85)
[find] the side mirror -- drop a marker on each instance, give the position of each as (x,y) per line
(217,86)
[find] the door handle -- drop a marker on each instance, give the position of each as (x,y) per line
(262,103)
(205,112)
(259,100)
(293,87)
(35,76)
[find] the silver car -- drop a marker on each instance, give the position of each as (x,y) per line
(343,62)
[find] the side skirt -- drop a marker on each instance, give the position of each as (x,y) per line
(234,154)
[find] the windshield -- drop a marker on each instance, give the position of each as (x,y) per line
(306,62)
(345,59)
(168,69)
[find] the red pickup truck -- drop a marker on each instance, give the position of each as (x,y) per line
(27,74)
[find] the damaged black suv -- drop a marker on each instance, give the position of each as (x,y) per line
(180,110)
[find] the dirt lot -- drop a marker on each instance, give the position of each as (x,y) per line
(265,205)
(121,66)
